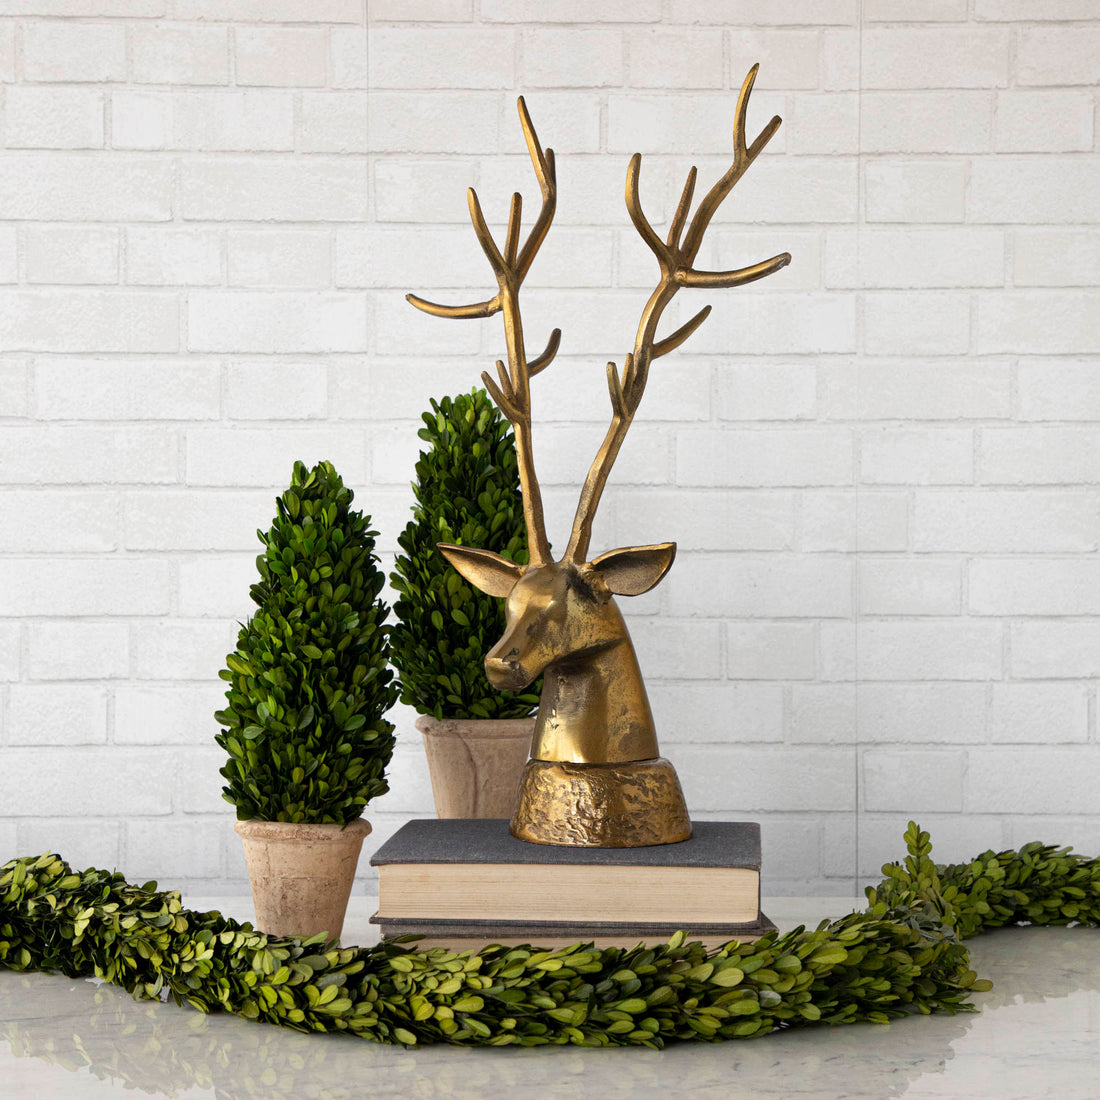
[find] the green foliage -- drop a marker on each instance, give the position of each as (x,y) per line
(309,681)
(904,954)
(467,492)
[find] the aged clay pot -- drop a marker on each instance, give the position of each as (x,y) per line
(476,764)
(301,875)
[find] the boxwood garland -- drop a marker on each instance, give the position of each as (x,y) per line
(903,954)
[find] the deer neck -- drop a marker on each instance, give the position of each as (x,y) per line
(594,708)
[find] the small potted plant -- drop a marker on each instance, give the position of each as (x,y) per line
(477,739)
(309,685)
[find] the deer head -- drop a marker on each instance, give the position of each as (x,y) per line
(561,617)
(560,609)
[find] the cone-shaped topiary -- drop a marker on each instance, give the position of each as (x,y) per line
(309,681)
(467,492)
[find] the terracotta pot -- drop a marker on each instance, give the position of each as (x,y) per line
(301,875)
(476,764)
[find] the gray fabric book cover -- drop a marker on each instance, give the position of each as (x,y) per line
(487,840)
(486,929)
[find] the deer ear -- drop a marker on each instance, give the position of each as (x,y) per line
(635,569)
(489,572)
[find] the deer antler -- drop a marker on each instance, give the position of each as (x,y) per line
(511,390)
(676,257)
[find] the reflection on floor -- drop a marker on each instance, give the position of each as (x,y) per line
(1037,1035)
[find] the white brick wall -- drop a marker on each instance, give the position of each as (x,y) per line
(881,465)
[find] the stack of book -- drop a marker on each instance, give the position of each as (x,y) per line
(464,882)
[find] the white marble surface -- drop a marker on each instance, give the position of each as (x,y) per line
(1037,1035)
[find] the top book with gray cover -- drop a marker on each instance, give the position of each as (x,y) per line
(487,840)
(472,874)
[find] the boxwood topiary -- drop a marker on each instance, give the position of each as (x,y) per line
(467,492)
(309,680)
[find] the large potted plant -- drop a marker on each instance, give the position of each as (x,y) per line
(477,739)
(309,685)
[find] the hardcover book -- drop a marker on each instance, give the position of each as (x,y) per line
(470,880)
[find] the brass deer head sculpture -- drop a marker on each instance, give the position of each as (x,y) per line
(595,776)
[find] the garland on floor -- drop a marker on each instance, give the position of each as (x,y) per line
(903,954)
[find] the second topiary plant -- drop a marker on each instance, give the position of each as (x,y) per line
(309,685)
(466,492)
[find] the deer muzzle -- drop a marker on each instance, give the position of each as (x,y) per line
(505,665)
(506,673)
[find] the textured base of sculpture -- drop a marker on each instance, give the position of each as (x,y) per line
(628,805)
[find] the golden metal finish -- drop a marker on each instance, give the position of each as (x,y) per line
(513,394)
(601,805)
(595,777)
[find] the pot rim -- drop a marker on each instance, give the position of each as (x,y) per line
(430,726)
(256,828)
